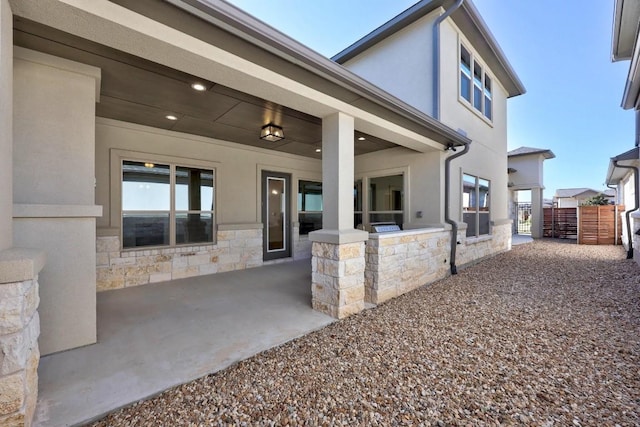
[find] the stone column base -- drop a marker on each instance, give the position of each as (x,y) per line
(338,278)
(19,330)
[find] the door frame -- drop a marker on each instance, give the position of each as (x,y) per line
(264,198)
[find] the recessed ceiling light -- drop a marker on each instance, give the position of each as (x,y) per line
(361,138)
(199,87)
(171,117)
(318,150)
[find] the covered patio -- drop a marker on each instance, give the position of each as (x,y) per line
(153,337)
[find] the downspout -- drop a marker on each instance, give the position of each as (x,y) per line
(436,57)
(636,182)
(615,222)
(447,217)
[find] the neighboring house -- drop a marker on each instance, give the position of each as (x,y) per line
(150,141)
(623,168)
(526,173)
(573,197)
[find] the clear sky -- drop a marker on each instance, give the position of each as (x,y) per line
(560,49)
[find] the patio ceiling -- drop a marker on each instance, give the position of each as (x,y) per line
(140,91)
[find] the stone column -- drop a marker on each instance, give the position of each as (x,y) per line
(19,330)
(338,255)
(537,213)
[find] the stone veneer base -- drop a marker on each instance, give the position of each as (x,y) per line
(235,249)
(19,331)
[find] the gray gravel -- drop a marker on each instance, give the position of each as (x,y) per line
(547,334)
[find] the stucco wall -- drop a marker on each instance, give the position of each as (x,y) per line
(528,171)
(53,181)
(238,169)
(402,64)
(487,157)
(6,127)
(424,181)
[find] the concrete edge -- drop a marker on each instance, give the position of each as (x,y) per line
(18,264)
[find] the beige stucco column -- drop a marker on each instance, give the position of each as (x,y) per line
(537,214)
(6,128)
(338,251)
(54,189)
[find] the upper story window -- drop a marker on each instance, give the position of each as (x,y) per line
(166,204)
(475,84)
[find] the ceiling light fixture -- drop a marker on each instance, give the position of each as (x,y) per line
(148,165)
(318,150)
(361,138)
(199,87)
(171,117)
(271,133)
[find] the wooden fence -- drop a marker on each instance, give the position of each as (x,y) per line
(590,225)
(560,223)
(598,225)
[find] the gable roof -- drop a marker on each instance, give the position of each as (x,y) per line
(573,192)
(467,18)
(524,151)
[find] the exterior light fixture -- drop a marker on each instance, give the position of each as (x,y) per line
(271,133)
(171,117)
(318,150)
(148,165)
(361,138)
(199,87)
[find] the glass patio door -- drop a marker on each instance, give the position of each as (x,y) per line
(276,220)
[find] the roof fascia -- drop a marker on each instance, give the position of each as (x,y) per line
(387,29)
(252,30)
(617,24)
(632,86)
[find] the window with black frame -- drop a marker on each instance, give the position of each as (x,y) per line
(475,205)
(309,206)
(166,204)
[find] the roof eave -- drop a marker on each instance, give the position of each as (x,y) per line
(615,173)
(632,86)
(615,39)
(253,30)
(515,86)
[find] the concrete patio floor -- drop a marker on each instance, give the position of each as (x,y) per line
(156,336)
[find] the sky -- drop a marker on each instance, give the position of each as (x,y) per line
(561,50)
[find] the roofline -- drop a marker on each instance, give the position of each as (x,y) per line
(387,29)
(617,22)
(632,85)
(254,31)
(418,11)
(548,154)
(632,154)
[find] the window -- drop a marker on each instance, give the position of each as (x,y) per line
(385,199)
(309,206)
(479,93)
(166,204)
(475,205)
(383,203)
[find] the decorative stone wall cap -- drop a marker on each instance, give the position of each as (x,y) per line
(462,225)
(480,239)
(247,226)
(107,232)
(503,221)
(635,214)
(56,211)
(18,265)
(382,236)
(338,237)
(417,226)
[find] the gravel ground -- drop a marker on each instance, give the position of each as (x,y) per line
(547,334)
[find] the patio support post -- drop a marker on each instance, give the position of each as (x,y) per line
(537,214)
(6,126)
(338,250)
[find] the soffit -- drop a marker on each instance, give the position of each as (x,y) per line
(140,91)
(625,28)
